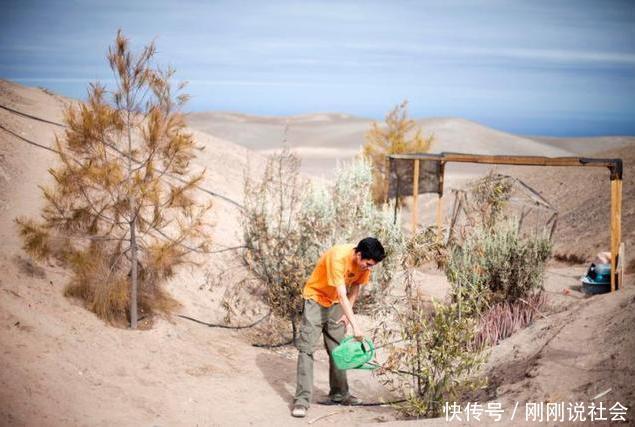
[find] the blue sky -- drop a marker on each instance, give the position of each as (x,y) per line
(555,67)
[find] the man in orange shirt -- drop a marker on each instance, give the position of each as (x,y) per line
(329,295)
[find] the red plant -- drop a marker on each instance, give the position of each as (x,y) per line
(503,319)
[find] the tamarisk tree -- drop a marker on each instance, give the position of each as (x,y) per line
(398,134)
(121,213)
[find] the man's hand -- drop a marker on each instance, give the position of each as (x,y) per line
(344,320)
(348,312)
(358,334)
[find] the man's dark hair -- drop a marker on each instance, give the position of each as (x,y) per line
(371,248)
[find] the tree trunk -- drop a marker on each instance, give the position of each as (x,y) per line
(419,385)
(133,272)
(133,231)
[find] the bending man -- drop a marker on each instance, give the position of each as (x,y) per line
(328,308)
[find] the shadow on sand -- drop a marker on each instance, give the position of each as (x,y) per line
(280,373)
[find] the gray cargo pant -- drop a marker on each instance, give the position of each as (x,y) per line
(315,320)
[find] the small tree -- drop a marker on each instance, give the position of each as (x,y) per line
(121,213)
(436,361)
(399,134)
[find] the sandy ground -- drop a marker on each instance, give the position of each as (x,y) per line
(63,366)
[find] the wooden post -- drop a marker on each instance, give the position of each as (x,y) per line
(415,196)
(439,218)
(387,174)
(616,227)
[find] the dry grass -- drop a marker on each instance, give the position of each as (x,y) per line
(106,292)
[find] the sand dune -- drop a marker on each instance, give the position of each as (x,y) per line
(590,146)
(63,366)
(323,140)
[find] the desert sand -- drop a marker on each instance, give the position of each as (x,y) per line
(63,366)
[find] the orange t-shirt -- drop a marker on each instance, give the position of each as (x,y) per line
(335,267)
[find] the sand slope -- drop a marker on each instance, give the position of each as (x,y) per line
(63,366)
(322,140)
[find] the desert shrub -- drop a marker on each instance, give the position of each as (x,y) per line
(121,213)
(496,272)
(344,212)
(286,230)
(496,265)
(277,252)
(495,198)
(436,362)
(431,356)
(496,278)
(399,134)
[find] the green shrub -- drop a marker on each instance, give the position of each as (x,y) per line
(436,362)
(495,265)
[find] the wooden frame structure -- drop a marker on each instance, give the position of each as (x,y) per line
(615,167)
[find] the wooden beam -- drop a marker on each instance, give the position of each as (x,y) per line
(526,160)
(616,227)
(613,164)
(415,196)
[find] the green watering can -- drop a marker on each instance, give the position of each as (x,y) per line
(353,354)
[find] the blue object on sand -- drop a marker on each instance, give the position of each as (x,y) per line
(597,279)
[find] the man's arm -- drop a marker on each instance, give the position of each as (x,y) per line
(352,297)
(348,311)
(354,293)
